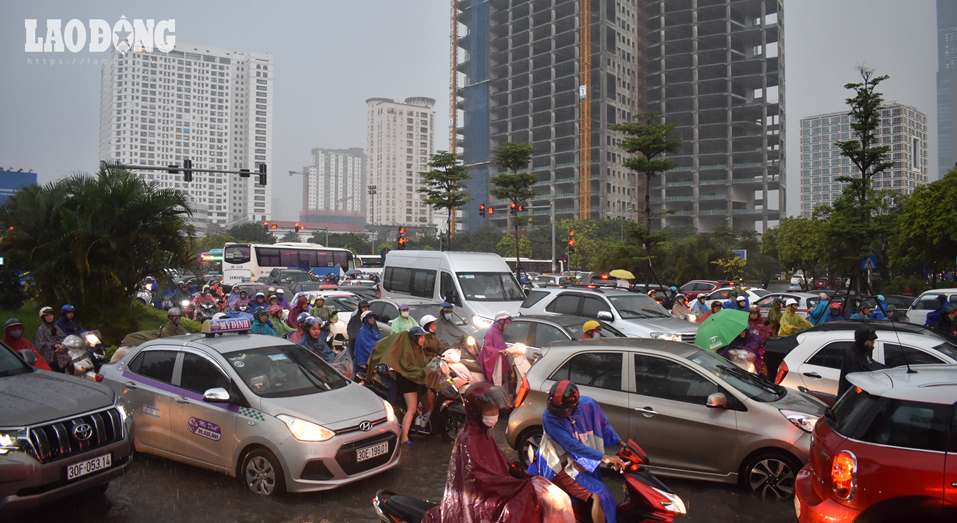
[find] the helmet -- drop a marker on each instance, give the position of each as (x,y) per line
(446,306)
(273,297)
(274,310)
(427,319)
(303,316)
(590,325)
(174,311)
(205,288)
(865,333)
(366,314)
(67,308)
(260,311)
(312,321)
(741,298)
(258,294)
(790,301)
(363,303)
(73,342)
(45,310)
(673,288)
(563,398)
(502,315)
(417,331)
(280,291)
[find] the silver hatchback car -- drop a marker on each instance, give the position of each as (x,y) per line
(254,407)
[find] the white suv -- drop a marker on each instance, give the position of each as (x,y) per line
(634,314)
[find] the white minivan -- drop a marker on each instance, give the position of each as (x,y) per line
(478,284)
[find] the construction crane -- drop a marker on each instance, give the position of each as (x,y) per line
(584,124)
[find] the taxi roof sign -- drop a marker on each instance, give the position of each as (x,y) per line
(225,325)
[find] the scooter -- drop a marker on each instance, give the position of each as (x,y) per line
(647,499)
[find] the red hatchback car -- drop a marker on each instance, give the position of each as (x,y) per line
(886,451)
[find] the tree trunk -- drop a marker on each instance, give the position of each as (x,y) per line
(518,262)
(648,176)
(448,231)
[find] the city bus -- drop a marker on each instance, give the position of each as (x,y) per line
(251,262)
(371,263)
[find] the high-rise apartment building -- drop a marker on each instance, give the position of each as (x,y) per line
(556,74)
(399,149)
(334,187)
(946,86)
(903,128)
(209,105)
(715,69)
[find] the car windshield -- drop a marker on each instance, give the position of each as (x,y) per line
(11,364)
(760,292)
(343,303)
(749,384)
(284,371)
(631,306)
(490,286)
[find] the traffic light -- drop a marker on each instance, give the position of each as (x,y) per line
(520,208)
(172,168)
(262,174)
(273,226)
(490,210)
(513,206)
(481,209)
(244,173)
(298,227)
(571,240)
(402,241)
(187,170)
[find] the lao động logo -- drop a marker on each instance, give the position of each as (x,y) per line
(205,429)
(96,35)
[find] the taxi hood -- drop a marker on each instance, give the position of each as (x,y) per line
(39,396)
(333,409)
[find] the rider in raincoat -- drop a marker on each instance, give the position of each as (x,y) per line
(791,323)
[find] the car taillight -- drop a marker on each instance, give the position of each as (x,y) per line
(98,377)
(522,393)
(782,372)
(844,474)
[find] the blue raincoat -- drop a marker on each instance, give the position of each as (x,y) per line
(582,438)
(821,313)
(365,341)
(262,327)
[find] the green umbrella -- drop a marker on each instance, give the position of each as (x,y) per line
(720,329)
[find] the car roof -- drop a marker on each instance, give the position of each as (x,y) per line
(924,383)
(672,348)
(937,291)
(881,325)
(564,320)
(221,343)
(614,291)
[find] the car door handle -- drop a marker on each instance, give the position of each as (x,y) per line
(812,375)
(182,400)
(647,412)
(131,384)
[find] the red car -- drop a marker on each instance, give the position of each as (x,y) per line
(886,451)
(695,287)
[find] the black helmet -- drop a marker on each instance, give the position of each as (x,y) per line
(563,398)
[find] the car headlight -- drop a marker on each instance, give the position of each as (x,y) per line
(480,322)
(306,430)
(13,439)
(389,411)
(800,420)
(664,336)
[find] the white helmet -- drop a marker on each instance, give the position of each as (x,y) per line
(73,342)
(790,301)
(427,319)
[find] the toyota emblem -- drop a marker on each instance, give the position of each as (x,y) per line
(365,426)
(82,431)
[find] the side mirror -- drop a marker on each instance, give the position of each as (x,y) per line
(605,316)
(717,400)
(28,357)
(216,395)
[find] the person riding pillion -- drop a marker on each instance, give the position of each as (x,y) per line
(172,326)
(261,323)
(404,321)
(591,329)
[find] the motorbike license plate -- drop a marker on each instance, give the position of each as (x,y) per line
(89,466)
(366,453)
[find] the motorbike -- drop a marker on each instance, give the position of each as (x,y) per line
(87,355)
(206,311)
(647,499)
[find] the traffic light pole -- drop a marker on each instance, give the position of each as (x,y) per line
(177,169)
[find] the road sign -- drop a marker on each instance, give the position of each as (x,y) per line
(740,253)
(869,263)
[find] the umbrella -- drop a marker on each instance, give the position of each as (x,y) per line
(720,329)
(622,274)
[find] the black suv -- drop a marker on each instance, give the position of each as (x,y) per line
(58,435)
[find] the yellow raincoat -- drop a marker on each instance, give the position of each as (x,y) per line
(791,323)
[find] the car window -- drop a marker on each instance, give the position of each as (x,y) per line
(156,364)
(688,287)
(897,355)
(199,375)
(546,334)
(448,290)
(661,378)
(533,298)
(926,302)
(593,369)
(831,355)
(900,423)
(760,292)
(591,306)
(517,332)
(564,304)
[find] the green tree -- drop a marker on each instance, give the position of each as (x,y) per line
(801,245)
(211,241)
(359,244)
(251,232)
(89,240)
(731,267)
(445,187)
(647,139)
(516,187)
(927,227)
(506,246)
(484,239)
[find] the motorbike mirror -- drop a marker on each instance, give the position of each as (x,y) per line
(605,316)
(216,395)
(28,357)
(717,400)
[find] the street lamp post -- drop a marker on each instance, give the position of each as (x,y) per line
(372,193)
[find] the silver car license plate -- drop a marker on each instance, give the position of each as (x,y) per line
(89,466)
(374,451)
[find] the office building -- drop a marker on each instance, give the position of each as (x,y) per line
(334,188)
(399,149)
(946,86)
(12,181)
(209,105)
(903,128)
(715,69)
(531,72)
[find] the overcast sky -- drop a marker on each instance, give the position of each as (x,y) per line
(330,55)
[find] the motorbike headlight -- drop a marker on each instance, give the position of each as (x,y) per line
(389,412)
(470,341)
(184,304)
(692,318)
(480,322)
(306,430)
(13,439)
(674,503)
(800,420)
(92,339)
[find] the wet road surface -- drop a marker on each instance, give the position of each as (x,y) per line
(158,490)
